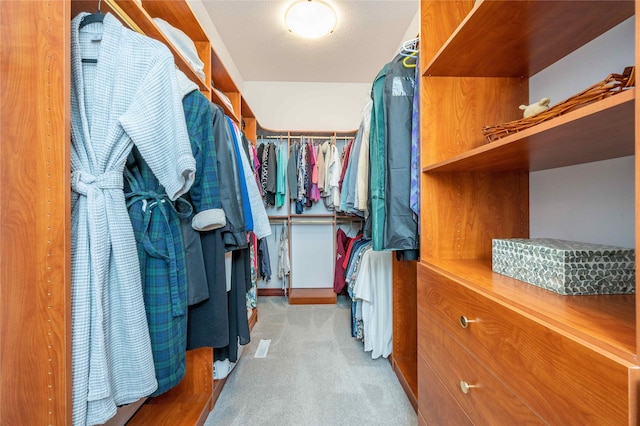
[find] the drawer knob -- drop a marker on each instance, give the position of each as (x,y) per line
(465,387)
(464,321)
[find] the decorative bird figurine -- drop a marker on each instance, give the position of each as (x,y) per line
(535,108)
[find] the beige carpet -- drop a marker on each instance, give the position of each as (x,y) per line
(314,373)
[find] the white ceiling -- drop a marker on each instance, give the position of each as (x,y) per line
(368,35)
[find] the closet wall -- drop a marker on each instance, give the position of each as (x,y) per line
(35,305)
(35,310)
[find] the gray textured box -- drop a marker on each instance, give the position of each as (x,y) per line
(566,267)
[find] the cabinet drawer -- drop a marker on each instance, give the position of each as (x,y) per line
(562,380)
(486,401)
(435,405)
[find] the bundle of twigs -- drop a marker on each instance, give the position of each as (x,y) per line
(613,84)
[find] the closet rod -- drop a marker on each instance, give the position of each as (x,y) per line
(311,222)
(322,137)
(279,219)
(348,220)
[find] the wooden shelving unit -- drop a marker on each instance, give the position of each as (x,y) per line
(523,350)
(35,262)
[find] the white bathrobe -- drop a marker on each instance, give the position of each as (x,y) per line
(130,96)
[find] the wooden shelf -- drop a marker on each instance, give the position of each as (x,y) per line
(187,404)
(134,16)
(603,321)
(599,131)
(216,99)
(312,296)
(520,38)
(220,75)
(177,13)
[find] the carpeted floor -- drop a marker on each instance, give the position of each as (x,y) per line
(314,374)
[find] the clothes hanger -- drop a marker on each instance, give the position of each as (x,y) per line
(406,62)
(93,17)
(410,47)
(97,17)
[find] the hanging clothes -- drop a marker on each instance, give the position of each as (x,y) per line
(302,178)
(252,293)
(401,226)
(314,193)
(414,198)
(342,242)
(377,163)
(281,178)
(253,203)
(362,176)
(237,303)
(204,195)
(272,172)
(264,260)
(233,233)
(156,223)
(158,233)
(322,169)
(112,361)
(208,321)
(373,286)
(266,164)
(333,167)
(348,195)
(284,265)
(263,154)
(292,171)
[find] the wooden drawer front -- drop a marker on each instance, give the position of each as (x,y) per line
(436,406)
(487,402)
(563,381)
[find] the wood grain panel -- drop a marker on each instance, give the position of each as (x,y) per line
(219,74)
(511,38)
(570,139)
(435,405)
(250,128)
(204,53)
(35,311)
(187,404)
(312,296)
(604,321)
(438,20)
(559,378)
(234,97)
(462,213)
(456,110)
(488,402)
(637,182)
(405,333)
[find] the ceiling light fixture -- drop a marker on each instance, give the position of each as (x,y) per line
(310,18)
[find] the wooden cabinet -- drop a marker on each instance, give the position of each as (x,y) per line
(530,356)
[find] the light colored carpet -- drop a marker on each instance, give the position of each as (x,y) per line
(314,374)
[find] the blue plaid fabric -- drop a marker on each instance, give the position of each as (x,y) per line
(205,191)
(156,225)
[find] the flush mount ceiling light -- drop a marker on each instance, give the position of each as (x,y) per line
(310,18)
